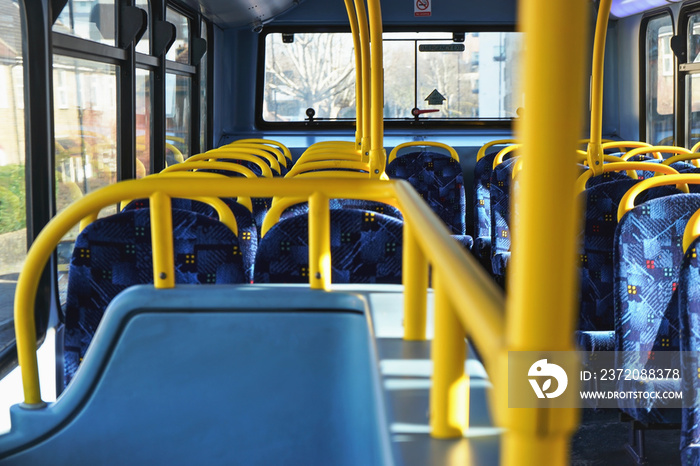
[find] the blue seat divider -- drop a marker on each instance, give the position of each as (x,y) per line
(439,180)
(597,317)
(482,209)
(366,247)
(648,255)
(689,315)
(247,230)
(217,375)
(114,253)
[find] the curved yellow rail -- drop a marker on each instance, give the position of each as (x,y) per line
(683,156)
(269,142)
(356,42)
(365,56)
(395,150)
(498,142)
(326,165)
(328,155)
(681,181)
(278,155)
(265,168)
(503,152)
(630,167)
(244,149)
(625,145)
(176,152)
(657,150)
(377,154)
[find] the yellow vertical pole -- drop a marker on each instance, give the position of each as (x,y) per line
(162,241)
(595,147)
(449,395)
(415,285)
(377,154)
(363,30)
(352,17)
(541,306)
(319,242)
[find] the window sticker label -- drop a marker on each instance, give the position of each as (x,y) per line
(422,8)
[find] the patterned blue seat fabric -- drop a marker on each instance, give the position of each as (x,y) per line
(247,229)
(689,316)
(114,253)
(596,260)
(439,180)
(648,256)
(366,247)
(501,178)
(482,209)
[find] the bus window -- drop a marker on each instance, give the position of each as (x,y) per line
(459,76)
(659,81)
(13,235)
(88,20)
(178,52)
(85,120)
(144,45)
(203,120)
(144,122)
(300,73)
(692,83)
(177,117)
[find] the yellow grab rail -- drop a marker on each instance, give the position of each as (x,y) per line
(482,151)
(695,147)
(683,156)
(269,142)
(276,161)
(244,149)
(657,150)
(692,230)
(630,167)
(377,154)
(624,145)
(503,152)
(354,30)
(328,154)
(363,32)
(208,156)
(465,288)
(595,149)
(681,181)
(395,150)
(327,165)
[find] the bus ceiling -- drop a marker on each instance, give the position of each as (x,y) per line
(239,13)
(622,8)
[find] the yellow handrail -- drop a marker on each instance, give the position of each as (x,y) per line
(377,154)
(657,150)
(327,165)
(176,152)
(208,156)
(624,144)
(476,300)
(363,30)
(395,150)
(503,152)
(695,147)
(328,154)
(244,149)
(692,230)
(681,181)
(683,156)
(631,168)
(482,152)
(354,30)
(270,142)
(595,149)
(279,158)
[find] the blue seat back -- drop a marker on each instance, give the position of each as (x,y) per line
(500,184)
(366,247)
(114,253)
(247,229)
(335,204)
(648,255)
(482,208)
(439,180)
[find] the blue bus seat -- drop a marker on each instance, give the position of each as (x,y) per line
(689,316)
(358,204)
(217,375)
(366,247)
(482,209)
(114,253)
(247,230)
(648,255)
(438,178)
(501,178)
(597,317)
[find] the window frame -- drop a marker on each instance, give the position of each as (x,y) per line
(684,69)
(643,84)
(323,125)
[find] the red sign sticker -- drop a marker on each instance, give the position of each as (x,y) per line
(422,8)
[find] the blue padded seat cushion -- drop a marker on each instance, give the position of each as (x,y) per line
(366,247)
(114,253)
(358,204)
